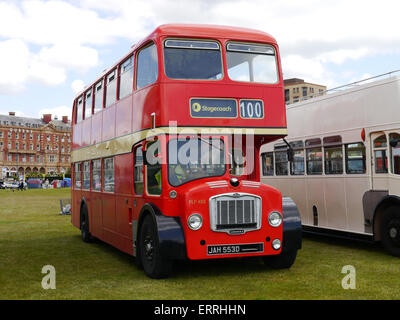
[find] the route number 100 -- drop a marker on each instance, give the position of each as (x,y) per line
(251,109)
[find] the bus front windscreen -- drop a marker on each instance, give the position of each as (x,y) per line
(192,159)
(251,63)
(193,60)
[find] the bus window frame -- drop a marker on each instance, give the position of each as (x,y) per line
(137,146)
(347,158)
(145,164)
(385,149)
(391,151)
(103,172)
(121,72)
(136,65)
(194,39)
(113,72)
(327,147)
(276,53)
(267,154)
(83,175)
(80,98)
(92,189)
(96,84)
(90,90)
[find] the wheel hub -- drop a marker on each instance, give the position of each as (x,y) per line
(148,248)
(394,231)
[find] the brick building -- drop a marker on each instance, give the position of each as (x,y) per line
(34,145)
(298,90)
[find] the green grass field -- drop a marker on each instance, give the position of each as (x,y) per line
(33,234)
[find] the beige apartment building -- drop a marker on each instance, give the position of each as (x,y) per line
(298,90)
(34,145)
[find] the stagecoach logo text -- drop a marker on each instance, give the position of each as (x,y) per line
(213,108)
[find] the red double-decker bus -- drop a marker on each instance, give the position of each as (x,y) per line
(165,152)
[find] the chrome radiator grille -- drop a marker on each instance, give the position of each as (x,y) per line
(235,211)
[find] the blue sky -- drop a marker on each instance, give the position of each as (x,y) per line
(48,49)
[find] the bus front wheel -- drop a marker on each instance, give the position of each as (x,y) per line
(390,231)
(281,261)
(154,265)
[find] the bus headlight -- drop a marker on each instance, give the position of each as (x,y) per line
(195,221)
(275,219)
(276,244)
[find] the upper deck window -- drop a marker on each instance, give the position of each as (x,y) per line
(126,78)
(147,66)
(192,59)
(111,88)
(98,97)
(88,104)
(79,110)
(252,63)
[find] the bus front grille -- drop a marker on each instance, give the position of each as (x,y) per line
(235,211)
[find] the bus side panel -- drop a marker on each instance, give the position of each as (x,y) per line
(124,117)
(109,221)
(77,135)
(96,213)
(75,204)
(97,124)
(123,189)
(108,131)
(335,202)
(86,132)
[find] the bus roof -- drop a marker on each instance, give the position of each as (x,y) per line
(194,31)
(213,31)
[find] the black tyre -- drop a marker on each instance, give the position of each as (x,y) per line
(281,261)
(85,231)
(153,264)
(390,231)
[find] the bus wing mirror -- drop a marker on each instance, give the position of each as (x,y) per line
(290,155)
(394,143)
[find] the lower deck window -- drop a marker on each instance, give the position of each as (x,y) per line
(108,175)
(333,160)
(96,175)
(314,161)
(281,163)
(77,175)
(268,163)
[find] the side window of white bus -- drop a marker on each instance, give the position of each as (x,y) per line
(108,175)
(314,156)
(394,141)
(281,163)
(77,175)
(333,155)
(267,160)
(147,66)
(138,171)
(355,158)
(380,154)
(297,165)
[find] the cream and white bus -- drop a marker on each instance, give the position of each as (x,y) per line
(345,170)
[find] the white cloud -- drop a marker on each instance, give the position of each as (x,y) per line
(311,33)
(77,86)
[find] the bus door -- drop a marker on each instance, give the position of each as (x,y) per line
(379,161)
